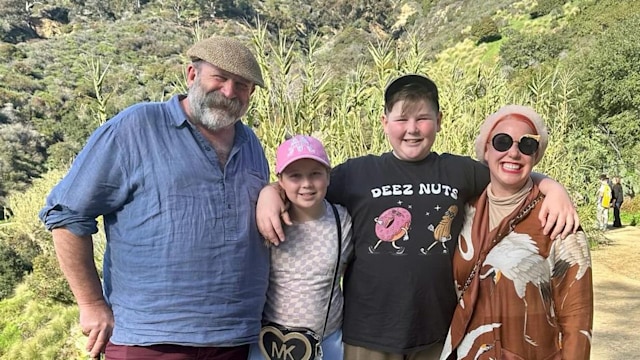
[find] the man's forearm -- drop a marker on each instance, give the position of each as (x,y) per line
(75,255)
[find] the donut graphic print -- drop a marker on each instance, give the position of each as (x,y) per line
(392,225)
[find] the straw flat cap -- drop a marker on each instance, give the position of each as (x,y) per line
(230,55)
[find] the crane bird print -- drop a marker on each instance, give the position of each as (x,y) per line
(517,258)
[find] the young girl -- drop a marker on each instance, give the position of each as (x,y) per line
(304,284)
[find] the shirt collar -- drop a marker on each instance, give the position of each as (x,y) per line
(178,116)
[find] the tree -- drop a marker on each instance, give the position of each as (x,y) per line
(521,50)
(611,88)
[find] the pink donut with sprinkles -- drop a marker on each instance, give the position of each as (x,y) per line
(393,224)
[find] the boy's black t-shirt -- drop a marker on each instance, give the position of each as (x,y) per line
(399,290)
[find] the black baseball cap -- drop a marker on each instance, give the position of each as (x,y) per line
(401,81)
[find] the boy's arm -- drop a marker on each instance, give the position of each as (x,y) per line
(558,212)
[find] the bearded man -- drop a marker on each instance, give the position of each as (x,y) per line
(184,272)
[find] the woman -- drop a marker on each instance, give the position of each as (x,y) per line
(522,295)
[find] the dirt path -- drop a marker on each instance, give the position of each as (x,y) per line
(616,280)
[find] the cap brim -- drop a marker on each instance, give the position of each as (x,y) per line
(290,161)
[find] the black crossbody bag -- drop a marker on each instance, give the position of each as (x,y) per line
(279,342)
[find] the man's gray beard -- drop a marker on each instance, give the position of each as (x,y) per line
(213,110)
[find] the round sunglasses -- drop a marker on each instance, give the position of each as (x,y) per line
(528,143)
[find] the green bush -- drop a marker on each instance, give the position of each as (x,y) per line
(485,30)
(10,96)
(631,205)
(47,280)
(12,269)
(10,52)
(522,50)
(545,7)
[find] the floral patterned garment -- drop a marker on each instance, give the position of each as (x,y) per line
(530,297)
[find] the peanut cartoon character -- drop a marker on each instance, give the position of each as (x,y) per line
(442,232)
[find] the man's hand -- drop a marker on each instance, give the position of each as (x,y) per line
(271,212)
(96,322)
(558,213)
(75,255)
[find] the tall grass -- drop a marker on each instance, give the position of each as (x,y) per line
(36,328)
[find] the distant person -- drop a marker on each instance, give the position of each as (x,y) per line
(521,294)
(407,209)
(618,198)
(185,270)
(605,195)
(305,297)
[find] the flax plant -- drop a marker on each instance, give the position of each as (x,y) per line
(97,72)
(299,98)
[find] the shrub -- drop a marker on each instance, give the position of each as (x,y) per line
(25,230)
(21,83)
(631,204)
(47,280)
(522,51)
(61,155)
(10,52)
(545,7)
(485,30)
(11,96)
(12,270)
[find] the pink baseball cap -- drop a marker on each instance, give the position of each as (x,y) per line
(300,147)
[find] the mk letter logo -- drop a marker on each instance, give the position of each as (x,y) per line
(284,352)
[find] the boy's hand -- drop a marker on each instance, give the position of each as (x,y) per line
(558,216)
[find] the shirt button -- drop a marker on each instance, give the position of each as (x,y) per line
(207,148)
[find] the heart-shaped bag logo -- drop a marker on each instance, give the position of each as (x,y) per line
(292,345)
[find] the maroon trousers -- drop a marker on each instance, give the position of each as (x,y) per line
(175,352)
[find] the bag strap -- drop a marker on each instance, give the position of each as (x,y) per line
(335,273)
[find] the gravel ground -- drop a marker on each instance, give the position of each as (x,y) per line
(616,281)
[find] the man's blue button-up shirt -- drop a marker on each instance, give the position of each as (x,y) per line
(184,263)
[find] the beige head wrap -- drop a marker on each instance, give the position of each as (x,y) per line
(492,120)
(229,55)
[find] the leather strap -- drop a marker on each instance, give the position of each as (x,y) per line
(335,273)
